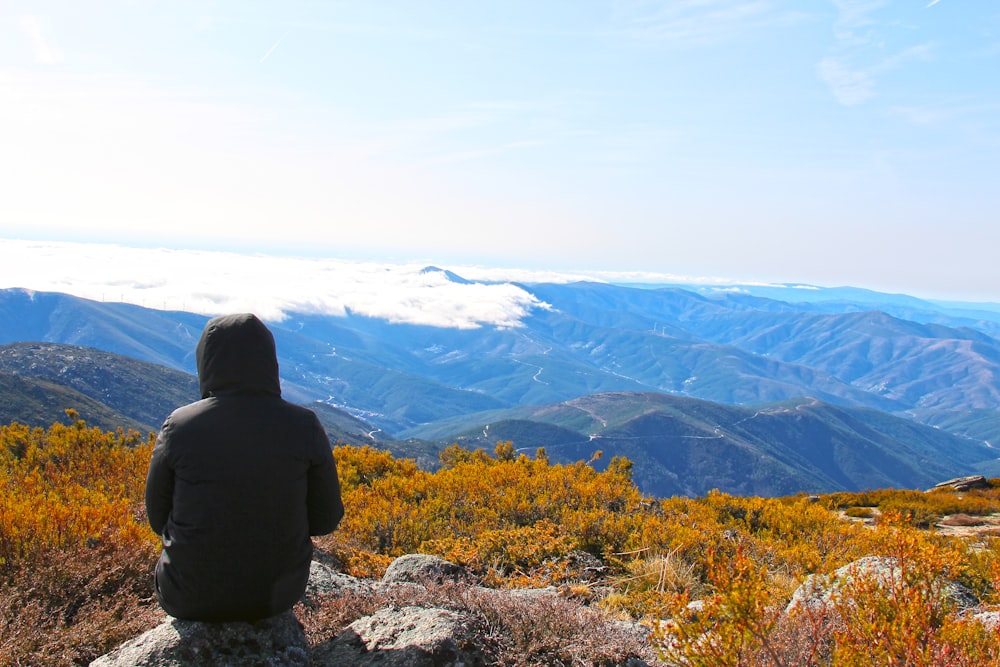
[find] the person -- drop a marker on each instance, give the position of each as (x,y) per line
(237,483)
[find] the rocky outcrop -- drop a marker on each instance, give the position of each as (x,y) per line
(324,580)
(407,637)
(274,642)
(817,591)
(964,483)
(400,634)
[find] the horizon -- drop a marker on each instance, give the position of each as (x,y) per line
(213,282)
(842,142)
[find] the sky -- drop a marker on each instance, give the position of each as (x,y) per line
(829,142)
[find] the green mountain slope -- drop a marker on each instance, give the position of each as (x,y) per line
(38,403)
(688,446)
(143,394)
(40,381)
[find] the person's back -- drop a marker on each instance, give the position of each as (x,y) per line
(238,482)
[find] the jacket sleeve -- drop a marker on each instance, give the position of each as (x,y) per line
(159,484)
(323,492)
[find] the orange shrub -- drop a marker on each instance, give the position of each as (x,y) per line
(76,556)
(71,499)
(70,485)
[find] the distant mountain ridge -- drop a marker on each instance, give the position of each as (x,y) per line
(138,393)
(39,382)
(688,446)
(731,348)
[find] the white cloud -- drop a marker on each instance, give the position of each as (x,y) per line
(700,22)
(860,55)
(220,282)
(214,282)
(42,45)
(853,20)
(946,111)
(851,87)
(853,84)
(267,54)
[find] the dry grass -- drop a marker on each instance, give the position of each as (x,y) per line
(74,605)
(522,630)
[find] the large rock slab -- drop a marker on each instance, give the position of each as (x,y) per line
(405,637)
(278,641)
(964,483)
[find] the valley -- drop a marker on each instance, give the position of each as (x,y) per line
(748,393)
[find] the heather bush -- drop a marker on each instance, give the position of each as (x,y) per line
(76,558)
(712,575)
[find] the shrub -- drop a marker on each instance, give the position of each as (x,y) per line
(76,557)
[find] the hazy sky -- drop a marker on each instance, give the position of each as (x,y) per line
(828,142)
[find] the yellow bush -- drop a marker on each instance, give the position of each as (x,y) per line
(517,521)
(70,485)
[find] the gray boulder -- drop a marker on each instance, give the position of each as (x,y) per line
(406,637)
(423,568)
(324,580)
(990,619)
(817,591)
(278,641)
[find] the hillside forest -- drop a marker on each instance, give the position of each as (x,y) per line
(76,556)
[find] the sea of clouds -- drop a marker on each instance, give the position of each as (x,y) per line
(216,282)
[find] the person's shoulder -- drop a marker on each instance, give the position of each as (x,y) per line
(300,411)
(185,416)
(190,410)
(303,421)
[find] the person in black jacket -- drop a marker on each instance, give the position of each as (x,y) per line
(237,483)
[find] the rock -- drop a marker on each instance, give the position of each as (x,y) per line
(990,619)
(324,580)
(406,637)
(964,483)
(423,568)
(695,608)
(578,566)
(278,641)
(817,591)
(422,627)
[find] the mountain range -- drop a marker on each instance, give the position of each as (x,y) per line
(758,390)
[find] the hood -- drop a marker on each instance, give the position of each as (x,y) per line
(236,354)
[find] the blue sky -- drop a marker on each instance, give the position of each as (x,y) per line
(826,142)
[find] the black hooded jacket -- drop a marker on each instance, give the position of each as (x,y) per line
(237,483)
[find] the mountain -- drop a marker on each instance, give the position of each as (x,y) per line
(107,389)
(37,403)
(167,338)
(40,381)
(689,446)
(843,349)
(678,445)
(729,347)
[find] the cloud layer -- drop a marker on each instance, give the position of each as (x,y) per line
(214,282)
(219,282)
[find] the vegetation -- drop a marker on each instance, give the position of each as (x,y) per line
(711,576)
